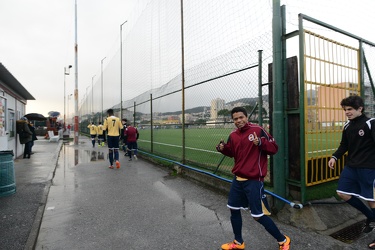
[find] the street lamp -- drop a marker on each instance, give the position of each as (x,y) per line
(102,84)
(86,100)
(68,105)
(121,69)
(66,72)
(92,95)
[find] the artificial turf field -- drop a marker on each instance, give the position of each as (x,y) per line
(200,144)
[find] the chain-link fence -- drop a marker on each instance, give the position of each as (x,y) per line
(184,67)
(219,60)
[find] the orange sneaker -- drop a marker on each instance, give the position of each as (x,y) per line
(233,245)
(285,245)
(117,164)
(111,167)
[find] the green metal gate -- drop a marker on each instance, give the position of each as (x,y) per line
(330,69)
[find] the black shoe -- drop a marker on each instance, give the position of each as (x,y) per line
(368,228)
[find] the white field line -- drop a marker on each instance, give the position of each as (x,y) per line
(178,146)
(215,152)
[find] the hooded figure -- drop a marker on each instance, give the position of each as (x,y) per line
(25,135)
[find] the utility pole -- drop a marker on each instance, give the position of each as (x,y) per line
(76,81)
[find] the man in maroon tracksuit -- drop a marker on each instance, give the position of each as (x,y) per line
(131,133)
(249,145)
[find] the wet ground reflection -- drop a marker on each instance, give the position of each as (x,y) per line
(72,156)
(96,155)
(190,210)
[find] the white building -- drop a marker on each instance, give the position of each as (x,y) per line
(13,100)
(216,105)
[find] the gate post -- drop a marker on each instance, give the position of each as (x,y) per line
(278,128)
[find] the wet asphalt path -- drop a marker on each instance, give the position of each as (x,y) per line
(141,206)
(138,206)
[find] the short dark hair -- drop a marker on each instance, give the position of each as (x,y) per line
(238,109)
(354,101)
(110,111)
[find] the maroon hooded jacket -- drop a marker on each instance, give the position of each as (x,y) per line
(250,160)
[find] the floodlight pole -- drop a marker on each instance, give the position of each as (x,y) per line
(65,73)
(121,69)
(92,95)
(101,67)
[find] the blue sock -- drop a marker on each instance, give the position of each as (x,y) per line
(271,228)
(236,220)
(110,157)
(358,204)
(116,154)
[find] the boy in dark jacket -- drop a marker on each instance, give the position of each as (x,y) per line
(358,176)
(131,133)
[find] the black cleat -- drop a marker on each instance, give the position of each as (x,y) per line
(367,227)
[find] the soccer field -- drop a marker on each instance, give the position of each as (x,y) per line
(322,143)
(200,145)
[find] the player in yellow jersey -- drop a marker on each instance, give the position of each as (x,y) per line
(93,132)
(113,125)
(100,134)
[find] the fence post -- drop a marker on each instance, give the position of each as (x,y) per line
(134,116)
(260,93)
(278,129)
(152,125)
(183,81)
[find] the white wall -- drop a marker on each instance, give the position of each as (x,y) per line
(14,110)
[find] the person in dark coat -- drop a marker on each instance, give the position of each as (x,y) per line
(123,136)
(26,137)
(34,138)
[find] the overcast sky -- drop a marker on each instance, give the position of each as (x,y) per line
(37,38)
(37,42)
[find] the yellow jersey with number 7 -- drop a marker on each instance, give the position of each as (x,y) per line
(113,124)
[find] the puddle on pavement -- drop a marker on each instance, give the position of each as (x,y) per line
(191,210)
(71,156)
